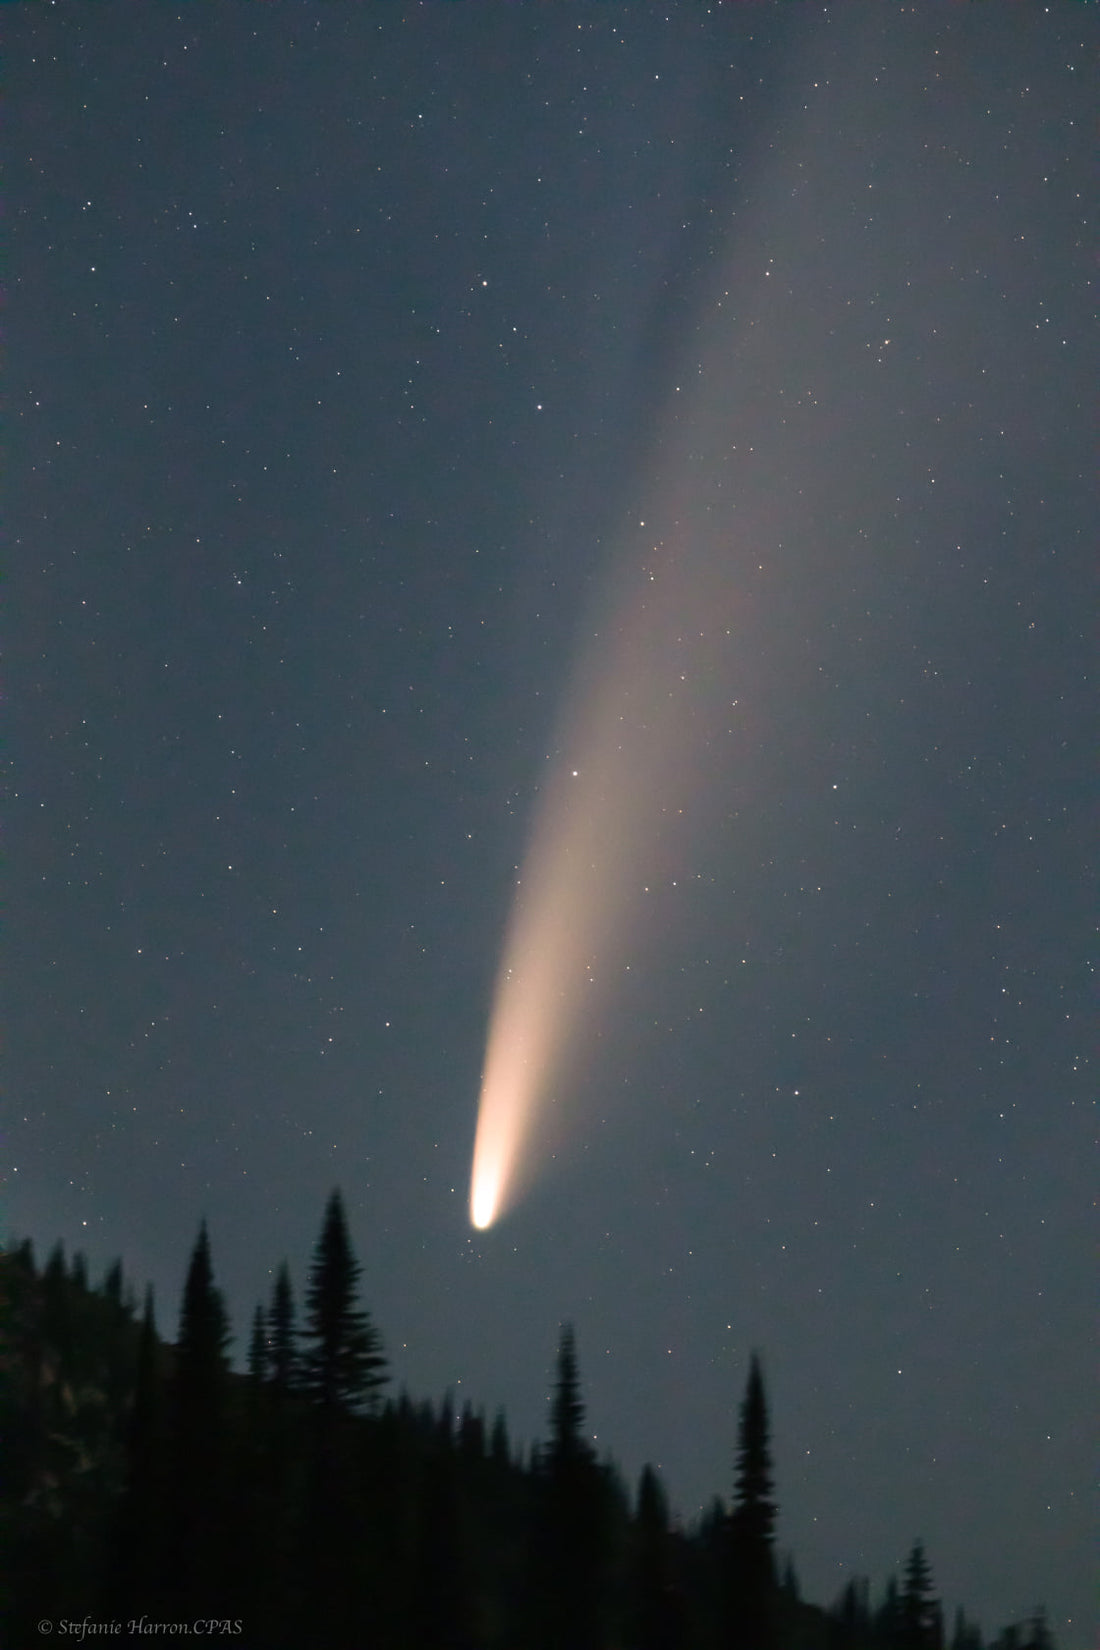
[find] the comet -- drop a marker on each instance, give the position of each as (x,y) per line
(629,748)
(660,713)
(769,416)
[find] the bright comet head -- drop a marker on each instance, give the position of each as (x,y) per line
(483,1203)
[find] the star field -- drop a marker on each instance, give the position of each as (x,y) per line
(370,375)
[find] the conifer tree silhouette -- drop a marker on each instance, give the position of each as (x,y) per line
(850,1624)
(500,1451)
(136,1554)
(196,1505)
(919,1616)
(888,1619)
(966,1634)
(752,1580)
(342,1368)
(257,1349)
(342,1365)
(145,1478)
(57,1317)
(567,1410)
(571,1529)
(282,1365)
(655,1605)
(202,1361)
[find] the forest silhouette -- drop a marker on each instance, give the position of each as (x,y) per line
(300,1505)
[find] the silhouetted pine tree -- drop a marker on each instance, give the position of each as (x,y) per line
(341,1370)
(888,1618)
(966,1634)
(257,1353)
(571,1534)
(22,1374)
(850,1625)
(112,1284)
(117,1338)
(656,1608)
(920,1626)
(751,1611)
(199,1533)
(566,1407)
(24,1423)
(500,1451)
(282,1365)
(789,1585)
(471,1434)
(267,1477)
(57,1318)
(137,1551)
(342,1367)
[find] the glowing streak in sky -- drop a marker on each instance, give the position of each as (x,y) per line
(653,705)
(774,426)
(624,766)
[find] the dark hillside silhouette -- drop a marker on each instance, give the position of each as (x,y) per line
(146,1478)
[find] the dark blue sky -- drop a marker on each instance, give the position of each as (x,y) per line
(348,347)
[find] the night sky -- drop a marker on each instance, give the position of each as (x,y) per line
(363,363)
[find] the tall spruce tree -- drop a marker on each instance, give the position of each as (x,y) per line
(197,1480)
(567,1443)
(655,1605)
(751,1612)
(136,1555)
(850,1617)
(112,1289)
(202,1361)
(343,1365)
(967,1634)
(282,1365)
(500,1451)
(888,1620)
(920,1625)
(341,1370)
(256,1389)
(571,1535)
(258,1349)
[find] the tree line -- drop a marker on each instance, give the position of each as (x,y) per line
(305,1501)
